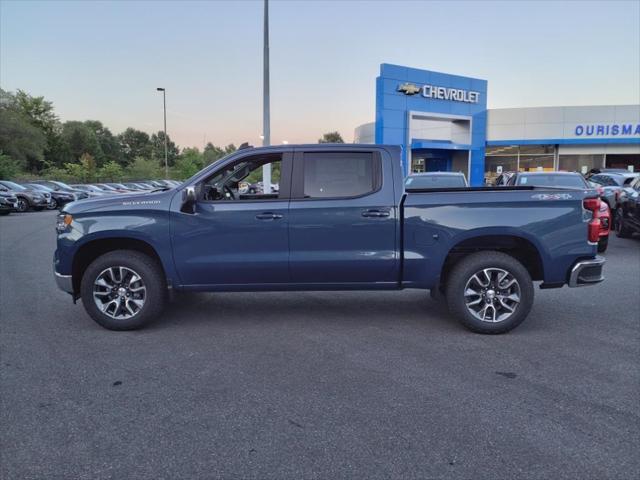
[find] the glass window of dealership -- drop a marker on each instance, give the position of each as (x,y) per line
(443,124)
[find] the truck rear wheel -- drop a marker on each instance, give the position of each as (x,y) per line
(123,290)
(490,292)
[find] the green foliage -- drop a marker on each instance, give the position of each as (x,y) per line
(134,143)
(157,149)
(188,164)
(58,173)
(19,138)
(34,142)
(9,168)
(76,172)
(39,111)
(111,171)
(331,137)
(143,169)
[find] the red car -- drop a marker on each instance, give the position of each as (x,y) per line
(605,227)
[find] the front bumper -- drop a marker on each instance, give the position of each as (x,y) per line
(587,272)
(64,282)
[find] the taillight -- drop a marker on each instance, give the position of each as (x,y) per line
(593,205)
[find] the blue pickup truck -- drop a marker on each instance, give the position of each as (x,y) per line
(334,217)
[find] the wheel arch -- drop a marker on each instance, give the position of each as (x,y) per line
(518,246)
(92,249)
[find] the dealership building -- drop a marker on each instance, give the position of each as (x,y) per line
(443,124)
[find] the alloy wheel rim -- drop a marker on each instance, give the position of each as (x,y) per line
(492,295)
(119,292)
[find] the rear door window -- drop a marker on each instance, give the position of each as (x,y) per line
(340,174)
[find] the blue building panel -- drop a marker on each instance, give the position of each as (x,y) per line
(400,90)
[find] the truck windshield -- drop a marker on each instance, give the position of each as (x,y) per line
(435,181)
(551,180)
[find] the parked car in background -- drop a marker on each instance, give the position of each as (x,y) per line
(92,190)
(567,180)
(436,180)
(596,171)
(503,178)
(138,186)
(549,179)
(27,198)
(611,184)
(627,220)
(606,219)
(111,189)
(56,199)
(8,203)
(58,186)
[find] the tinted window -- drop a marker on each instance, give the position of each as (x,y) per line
(611,181)
(435,181)
(550,180)
(331,175)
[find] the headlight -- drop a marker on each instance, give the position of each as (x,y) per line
(63,221)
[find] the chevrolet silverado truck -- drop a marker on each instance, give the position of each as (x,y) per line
(337,217)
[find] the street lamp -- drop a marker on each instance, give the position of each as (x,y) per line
(166,155)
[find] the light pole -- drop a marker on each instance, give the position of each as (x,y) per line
(266,121)
(166,155)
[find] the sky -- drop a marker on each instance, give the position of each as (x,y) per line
(103,60)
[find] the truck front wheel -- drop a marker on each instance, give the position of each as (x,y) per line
(490,292)
(123,290)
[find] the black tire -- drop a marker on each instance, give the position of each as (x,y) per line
(463,272)
(5,212)
(603,243)
(53,204)
(622,230)
(22,205)
(152,277)
(437,295)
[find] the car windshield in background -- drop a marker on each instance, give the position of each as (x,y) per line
(551,180)
(13,186)
(435,181)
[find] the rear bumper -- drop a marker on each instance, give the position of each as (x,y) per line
(587,272)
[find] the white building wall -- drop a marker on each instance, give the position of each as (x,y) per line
(538,123)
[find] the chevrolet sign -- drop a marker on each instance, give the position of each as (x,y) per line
(440,93)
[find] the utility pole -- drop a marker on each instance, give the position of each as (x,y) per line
(266,111)
(166,155)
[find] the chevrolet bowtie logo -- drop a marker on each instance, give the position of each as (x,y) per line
(409,88)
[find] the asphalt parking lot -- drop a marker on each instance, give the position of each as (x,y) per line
(315,385)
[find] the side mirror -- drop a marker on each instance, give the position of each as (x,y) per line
(188,200)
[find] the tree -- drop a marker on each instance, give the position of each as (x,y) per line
(109,147)
(39,111)
(143,169)
(41,115)
(188,164)
(80,139)
(211,153)
(9,168)
(331,137)
(157,149)
(134,143)
(111,171)
(19,138)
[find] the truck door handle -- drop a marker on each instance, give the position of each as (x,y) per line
(375,213)
(268,216)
